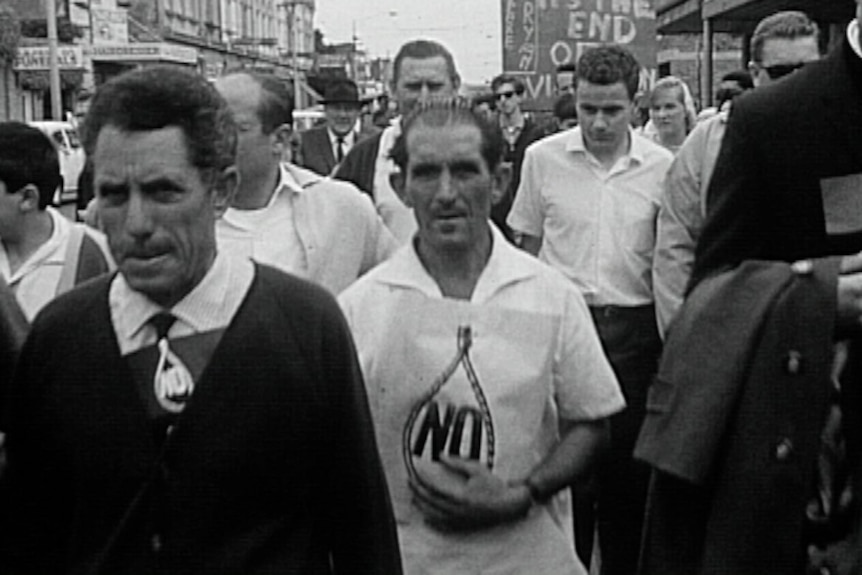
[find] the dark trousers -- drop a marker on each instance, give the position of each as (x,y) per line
(631,342)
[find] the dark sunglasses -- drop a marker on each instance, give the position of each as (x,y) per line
(504,95)
(781,70)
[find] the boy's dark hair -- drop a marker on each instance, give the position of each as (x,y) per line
(28,156)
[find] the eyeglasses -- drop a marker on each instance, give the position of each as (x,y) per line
(780,70)
(505,95)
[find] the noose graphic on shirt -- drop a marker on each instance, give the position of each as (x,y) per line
(462,358)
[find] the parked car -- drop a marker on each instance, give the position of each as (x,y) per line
(71,154)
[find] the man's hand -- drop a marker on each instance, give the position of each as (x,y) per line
(482,500)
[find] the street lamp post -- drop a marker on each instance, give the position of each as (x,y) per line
(53,65)
(293,31)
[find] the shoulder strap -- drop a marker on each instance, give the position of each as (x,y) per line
(70,262)
(93,260)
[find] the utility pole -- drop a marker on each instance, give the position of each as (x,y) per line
(293,31)
(53,65)
(297,96)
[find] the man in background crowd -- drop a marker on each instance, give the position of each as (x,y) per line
(587,205)
(283,215)
(779,43)
(422,69)
(780,491)
(324,148)
(519,131)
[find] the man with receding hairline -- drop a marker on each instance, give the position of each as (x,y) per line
(774,483)
(286,216)
(489,388)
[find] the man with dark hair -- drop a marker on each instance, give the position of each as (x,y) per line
(731,85)
(422,69)
(480,447)
(519,131)
(194,413)
(42,254)
(782,39)
(565,79)
(323,148)
(286,216)
(587,205)
(566,111)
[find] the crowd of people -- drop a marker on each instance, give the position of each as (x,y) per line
(459,342)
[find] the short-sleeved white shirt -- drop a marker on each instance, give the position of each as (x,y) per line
(534,354)
(598,226)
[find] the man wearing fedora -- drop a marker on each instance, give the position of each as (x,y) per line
(324,147)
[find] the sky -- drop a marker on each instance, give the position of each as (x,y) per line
(469,28)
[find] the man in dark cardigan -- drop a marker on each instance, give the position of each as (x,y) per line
(193,413)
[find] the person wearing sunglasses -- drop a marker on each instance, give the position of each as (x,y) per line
(782,44)
(782,41)
(781,493)
(519,131)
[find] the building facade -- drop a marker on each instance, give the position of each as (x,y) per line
(707,18)
(111,36)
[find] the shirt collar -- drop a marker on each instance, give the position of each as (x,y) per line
(349,138)
(853,37)
(575,143)
(199,309)
(51,252)
(506,265)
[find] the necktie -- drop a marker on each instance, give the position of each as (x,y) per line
(172,382)
(339,149)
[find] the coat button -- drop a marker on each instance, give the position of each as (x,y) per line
(783,449)
(793,362)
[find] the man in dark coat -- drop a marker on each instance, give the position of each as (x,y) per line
(787,181)
(786,187)
(323,148)
(193,413)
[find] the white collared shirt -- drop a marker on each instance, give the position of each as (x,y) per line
(211,305)
(267,235)
(598,226)
(35,282)
(536,357)
(348,142)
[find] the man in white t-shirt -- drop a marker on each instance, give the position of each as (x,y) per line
(489,389)
(286,216)
(42,253)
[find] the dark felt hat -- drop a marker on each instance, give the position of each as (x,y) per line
(341,92)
